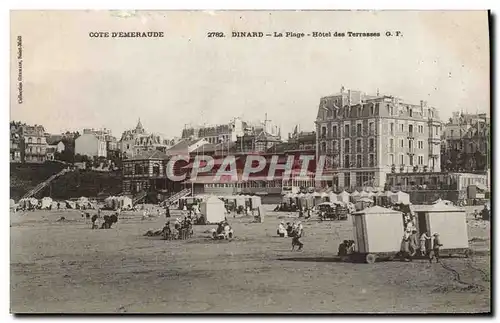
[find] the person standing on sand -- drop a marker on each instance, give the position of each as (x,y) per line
(436,246)
(296,237)
(413,242)
(423,241)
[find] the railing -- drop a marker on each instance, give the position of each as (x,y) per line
(43,184)
(139,197)
(172,199)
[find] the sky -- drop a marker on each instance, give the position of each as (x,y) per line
(72,81)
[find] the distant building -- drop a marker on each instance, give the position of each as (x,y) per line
(364,137)
(33,144)
(136,141)
(466,143)
(230,132)
(90,145)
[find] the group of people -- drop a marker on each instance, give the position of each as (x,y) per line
(293,230)
(412,244)
(346,248)
(223,231)
(102,222)
(183,229)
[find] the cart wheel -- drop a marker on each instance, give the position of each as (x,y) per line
(469,253)
(371,258)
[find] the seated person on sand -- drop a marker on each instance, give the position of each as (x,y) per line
(281,230)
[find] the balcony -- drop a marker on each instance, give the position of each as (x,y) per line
(411,135)
(411,151)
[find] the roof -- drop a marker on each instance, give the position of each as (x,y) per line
(182,146)
(150,154)
(54,139)
(377,210)
(437,207)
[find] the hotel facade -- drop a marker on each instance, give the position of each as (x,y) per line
(364,137)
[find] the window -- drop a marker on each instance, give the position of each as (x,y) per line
(347,148)
(323,132)
(358,129)
(347,180)
(411,160)
(128,146)
(410,129)
(421,129)
(346,161)
(358,145)
(346,112)
(334,131)
(371,145)
(156,169)
(402,128)
(420,144)
(372,110)
(411,113)
(30,140)
(391,145)
(346,130)
(401,143)
(372,128)
(38,140)
(334,113)
(335,145)
(402,159)
(323,147)
(391,159)
(410,144)
(420,160)
(392,111)
(392,128)
(358,161)
(372,160)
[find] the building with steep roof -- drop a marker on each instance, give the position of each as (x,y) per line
(135,141)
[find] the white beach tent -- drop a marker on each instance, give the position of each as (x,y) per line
(344,197)
(46,203)
(125,202)
(332,197)
(213,209)
(363,194)
(355,196)
(255,202)
(400,198)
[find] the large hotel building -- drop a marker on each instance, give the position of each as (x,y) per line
(364,137)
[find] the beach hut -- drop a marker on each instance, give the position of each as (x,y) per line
(344,197)
(316,198)
(255,202)
(355,196)
(378,198)
(213,209)
(126,202)
(377,230)
(400,198)
(447,220)
(364,203)
(240,201)
(45,203)
(332,197)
